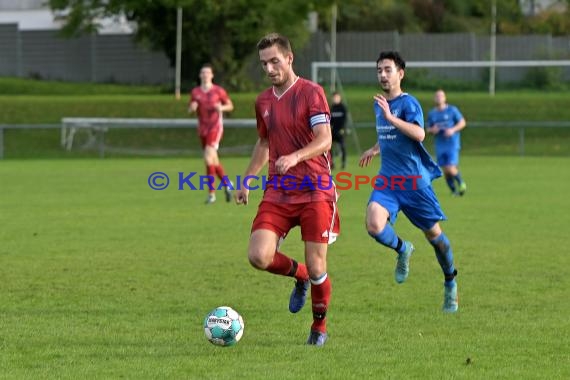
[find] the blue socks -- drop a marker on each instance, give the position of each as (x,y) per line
(444,257)
(388,238)
(451,183)
(458,178)
(441,245)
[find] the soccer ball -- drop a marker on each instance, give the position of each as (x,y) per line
(223,326)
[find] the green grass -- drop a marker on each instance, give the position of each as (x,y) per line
(102,277)
(38,109)
(477,107)
(19,86)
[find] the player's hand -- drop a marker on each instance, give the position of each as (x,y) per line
(434,130)
(241,196)
(366,158)
(285,163)
(218,107)
(383,103)
(448,132)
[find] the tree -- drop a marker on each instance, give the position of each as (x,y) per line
(222,32)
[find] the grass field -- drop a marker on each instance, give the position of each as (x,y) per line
(102,277)
(43,108)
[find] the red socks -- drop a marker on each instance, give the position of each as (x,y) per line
(286,266)
(220,171)
(320,295)
(320,288)
(211,171)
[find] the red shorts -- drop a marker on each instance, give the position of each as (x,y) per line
(319,221)
(212,138)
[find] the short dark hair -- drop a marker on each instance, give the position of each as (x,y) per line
(393,56)
(271,39)
(207,66)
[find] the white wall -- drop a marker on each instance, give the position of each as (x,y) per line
(22,4)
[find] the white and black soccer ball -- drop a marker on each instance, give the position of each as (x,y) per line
(223,326)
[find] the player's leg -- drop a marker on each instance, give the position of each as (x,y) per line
(320,224)
(461,185)
(449,162)
(333,150)
(316,259)
(448,173)
(214,138)
(381,213)
(342,151)
(424,211)
(444,161)
(209,159)
(272,223)
(444,254)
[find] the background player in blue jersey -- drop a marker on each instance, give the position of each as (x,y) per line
(445,121)
(400,129)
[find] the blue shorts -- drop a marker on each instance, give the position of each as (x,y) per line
(448,157)
(421,206)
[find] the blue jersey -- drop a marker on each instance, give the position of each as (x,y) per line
(400,155)
(445,119)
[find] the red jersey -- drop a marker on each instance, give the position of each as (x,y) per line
(209,118)
(287,122)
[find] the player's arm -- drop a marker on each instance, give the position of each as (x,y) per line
(456,128)
(228,106)
(225,104)
(368,155)
(413,131)
(259,158)
(460,125)
(193,106)
(432,127)
(320,144)
(434,130)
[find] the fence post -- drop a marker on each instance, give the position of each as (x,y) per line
(396,35)
(19,63)
(93,50)
(101,133)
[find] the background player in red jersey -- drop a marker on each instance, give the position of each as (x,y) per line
(209,101)
(295,137)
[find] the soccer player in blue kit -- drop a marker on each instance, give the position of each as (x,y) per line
(445,121)
(400,129)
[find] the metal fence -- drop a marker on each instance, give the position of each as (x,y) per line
(97,128)
(117,58)
(419,47)
(93,58)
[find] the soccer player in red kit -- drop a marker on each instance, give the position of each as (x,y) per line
(209,101)
(294,135)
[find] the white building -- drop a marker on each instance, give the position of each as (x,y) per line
(534,7)
(35,15)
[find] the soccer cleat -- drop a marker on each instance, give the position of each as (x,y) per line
(403,263)
(450,300)
(298,296)
(462,188)
(317,338)
(211,199)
